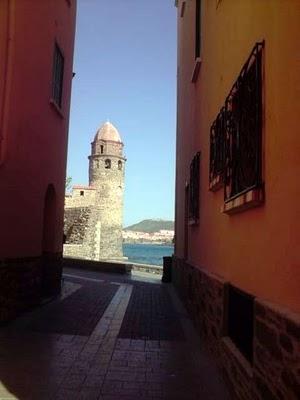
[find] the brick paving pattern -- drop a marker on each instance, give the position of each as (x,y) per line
(150,315)
(102,365)
(79,313)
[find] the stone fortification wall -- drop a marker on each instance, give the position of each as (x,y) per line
(81,197)
(75,251)
(76,224)
(83,233)
(93,235)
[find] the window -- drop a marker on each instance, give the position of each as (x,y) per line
(58,74)
(236,139)
(198,29)
(120,165)
(101,149)
(243,140)
(197,65)
(194,190)
(81,192)
(240,314)
(107,163)
(186,221)
(182,9)
(217,151)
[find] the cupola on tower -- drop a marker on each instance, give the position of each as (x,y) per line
(106,176)
(94,213)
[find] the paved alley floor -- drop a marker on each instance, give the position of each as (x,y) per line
(107,337)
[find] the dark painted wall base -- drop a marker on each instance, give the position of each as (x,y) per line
(25,282)
(275,371)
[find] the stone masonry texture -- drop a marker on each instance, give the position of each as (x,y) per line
(274,374)
(94,213)
(75,224)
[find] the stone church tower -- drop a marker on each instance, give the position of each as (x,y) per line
(106,176)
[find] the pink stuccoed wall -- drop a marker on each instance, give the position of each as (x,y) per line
(33,134)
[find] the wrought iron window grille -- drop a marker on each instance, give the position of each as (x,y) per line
(243,129)
(217,149)
(194,189)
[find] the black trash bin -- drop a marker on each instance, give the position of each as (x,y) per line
(167,269)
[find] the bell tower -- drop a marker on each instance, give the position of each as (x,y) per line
(106,175)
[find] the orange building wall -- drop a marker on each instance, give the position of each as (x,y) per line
(258,249)
(33,134)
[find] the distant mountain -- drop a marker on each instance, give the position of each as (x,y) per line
(151,225)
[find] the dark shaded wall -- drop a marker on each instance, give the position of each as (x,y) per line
(33,148)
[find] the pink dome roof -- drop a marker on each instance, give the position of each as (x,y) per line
(108,132)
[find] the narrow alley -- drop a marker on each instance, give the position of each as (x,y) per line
(107,336)
(153,136)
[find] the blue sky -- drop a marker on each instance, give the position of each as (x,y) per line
(125,64)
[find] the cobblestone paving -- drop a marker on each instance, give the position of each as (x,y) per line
(102,365)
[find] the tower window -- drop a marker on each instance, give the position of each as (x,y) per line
(107,163)
(120,165)
(58,74)
(81,192)
(101,149)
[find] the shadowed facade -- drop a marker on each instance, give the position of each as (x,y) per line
(36,53)
(236,254)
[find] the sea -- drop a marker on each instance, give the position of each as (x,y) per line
(147,253)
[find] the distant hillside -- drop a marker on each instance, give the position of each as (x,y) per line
(151,225)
